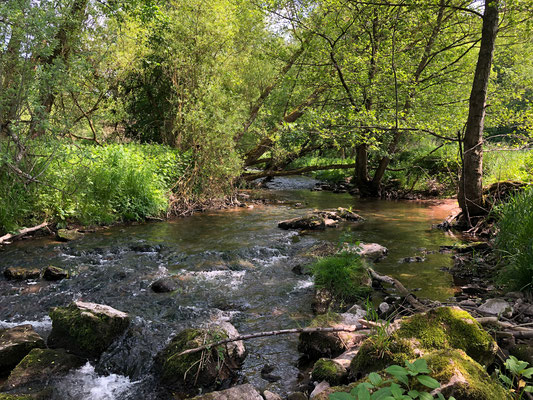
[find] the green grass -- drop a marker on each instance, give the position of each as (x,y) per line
(344,275)
(507,165)
(91,185)
(514,241)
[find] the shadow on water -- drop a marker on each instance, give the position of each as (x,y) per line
(233,265)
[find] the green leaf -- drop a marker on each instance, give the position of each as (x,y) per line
(396,370)
(363,393)
(527,372)
(528,389)
(413,393)
(396,390)
(421,366)
(428,381)
(506,380)
(375,379)
(425,396)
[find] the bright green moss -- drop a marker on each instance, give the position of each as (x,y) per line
(4,396)
(328,370)
(325,320)
(449,327)
(374,355)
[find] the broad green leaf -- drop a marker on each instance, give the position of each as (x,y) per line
(363,393)
(527,372)
(413,393)
(396,370)
(425,396)
(341,396)
(421,366)
(375,378)
(428,381)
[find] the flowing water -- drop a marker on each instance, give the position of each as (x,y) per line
(234,265)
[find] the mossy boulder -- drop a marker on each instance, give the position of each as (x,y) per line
(458,374)
(39,366)
(329,344)
(86,329)
(377,353)
(449,327)
(15,344)
(20,273)
(308,222)
(326,369)
(208,369)
(419,334)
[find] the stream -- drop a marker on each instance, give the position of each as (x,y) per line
(235,265)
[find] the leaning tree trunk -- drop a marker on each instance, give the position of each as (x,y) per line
(470,195)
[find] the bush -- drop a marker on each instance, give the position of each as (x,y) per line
(514,241)
(92,185)
(344,275)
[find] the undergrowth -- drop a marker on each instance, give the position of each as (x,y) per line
(514,241)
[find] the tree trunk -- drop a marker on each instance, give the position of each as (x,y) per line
(470,195)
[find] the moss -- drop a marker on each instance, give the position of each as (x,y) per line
(449,327)
(84,333)
(473,384)
(375,354)
(328,370)
(325,320)
(4,396)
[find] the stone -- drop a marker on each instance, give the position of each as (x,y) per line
(297,396)
(39,366)
(67,235)
(320,388)
(419,334)
(219,364)
(371,251)
(309,222)
(496,306)
(52,273)
(271,396)
(330,344)
(86,329)
(329,370)
(348,215)
(20,273)
(240,392)
(384,307)
(15,344)
(164,285)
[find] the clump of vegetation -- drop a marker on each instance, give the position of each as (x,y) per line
(517,376)
(514,241)
(344,275)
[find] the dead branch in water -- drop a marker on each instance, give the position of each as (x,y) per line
(352,328)
(22,232)
(401,289)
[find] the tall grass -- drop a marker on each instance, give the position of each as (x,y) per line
(515,241)
(507,165)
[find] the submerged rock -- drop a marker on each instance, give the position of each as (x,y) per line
(371,251)
(20,273)
(67,235)
(348,215)
(164,285)
(52,273)
(208,369)
(241,392)
(15,344)
(39,366)
(86,329)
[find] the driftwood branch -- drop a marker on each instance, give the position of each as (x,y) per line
(22,232)
(352,328)
(401,289)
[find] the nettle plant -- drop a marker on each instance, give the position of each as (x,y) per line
(515,380)
(397,388)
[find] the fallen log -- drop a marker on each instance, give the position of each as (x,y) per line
(22,232)
(352,328)
(400,288)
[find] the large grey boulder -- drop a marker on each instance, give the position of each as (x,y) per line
(86,329)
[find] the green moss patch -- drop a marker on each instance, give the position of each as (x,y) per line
(328,370)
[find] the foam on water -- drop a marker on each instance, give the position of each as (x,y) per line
(40,326)
(86,384)
(304,284)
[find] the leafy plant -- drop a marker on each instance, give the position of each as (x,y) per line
(515,381)
(400,387)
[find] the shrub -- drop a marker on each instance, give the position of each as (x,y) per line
(514,241)
(344,275)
